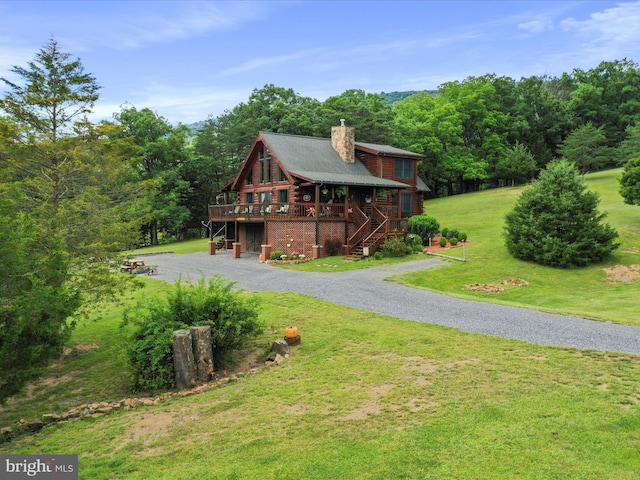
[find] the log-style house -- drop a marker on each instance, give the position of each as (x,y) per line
(318,196)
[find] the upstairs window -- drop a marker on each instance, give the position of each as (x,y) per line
(248,198)
(265,197)
(249,179)
(283,196)
(407,204)
(403,168)
(264,165)
(281,176)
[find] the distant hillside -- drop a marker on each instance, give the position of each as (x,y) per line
(393,97)
(196,127)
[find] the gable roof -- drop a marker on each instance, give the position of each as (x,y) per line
(315,160)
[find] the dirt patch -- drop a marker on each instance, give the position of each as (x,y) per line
(491,288)
(150,427)
(484,287)
(623,273)
(372,406)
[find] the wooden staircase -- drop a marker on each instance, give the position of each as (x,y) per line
(371,233)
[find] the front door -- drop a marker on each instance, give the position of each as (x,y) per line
(255,237)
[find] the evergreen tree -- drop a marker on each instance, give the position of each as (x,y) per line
(630,182)
(555,222)
(65,193)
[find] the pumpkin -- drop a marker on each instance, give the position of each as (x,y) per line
(291,332)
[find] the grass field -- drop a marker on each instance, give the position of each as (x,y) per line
(367,396)
(587,292)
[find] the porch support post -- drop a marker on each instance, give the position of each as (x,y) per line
(266,252)
(317,215)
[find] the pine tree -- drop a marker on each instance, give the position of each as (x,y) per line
(555,221)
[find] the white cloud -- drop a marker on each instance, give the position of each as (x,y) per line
(537,26)
(177,104)
(182,20)
(615,26)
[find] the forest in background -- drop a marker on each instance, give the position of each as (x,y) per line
(481,132)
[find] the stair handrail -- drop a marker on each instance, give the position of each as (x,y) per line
(224,227)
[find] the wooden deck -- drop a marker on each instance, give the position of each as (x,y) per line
(296,211)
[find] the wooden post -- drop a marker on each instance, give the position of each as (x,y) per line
(183,364)
(202,353)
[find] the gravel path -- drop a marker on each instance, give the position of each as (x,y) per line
(366,290)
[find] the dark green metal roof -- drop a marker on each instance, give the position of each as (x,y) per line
(315,159)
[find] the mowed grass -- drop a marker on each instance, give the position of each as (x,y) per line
(587,292)
(367,396)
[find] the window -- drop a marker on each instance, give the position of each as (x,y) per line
(264,165)
(281,176)
(265,197)
(283,196)
(407,204)
(248,198)
(249,179)
(403,168)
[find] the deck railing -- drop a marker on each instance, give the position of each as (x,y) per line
(277,210)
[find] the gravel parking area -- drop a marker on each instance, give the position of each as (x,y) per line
(366,290)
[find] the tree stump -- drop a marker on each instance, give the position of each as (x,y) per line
(183,363)
(202,353)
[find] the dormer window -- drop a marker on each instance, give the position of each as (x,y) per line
(403,168)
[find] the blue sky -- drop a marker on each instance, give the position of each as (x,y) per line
(188,60)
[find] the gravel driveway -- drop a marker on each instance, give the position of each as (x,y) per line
(366,290)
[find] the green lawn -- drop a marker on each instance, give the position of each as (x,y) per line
(587,292)
(372,397)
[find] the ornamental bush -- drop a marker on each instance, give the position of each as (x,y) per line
(276,255)
(414,242)
(232,315)
(453,233)
(394,247)
(555,221)
(442,242)
(424,225)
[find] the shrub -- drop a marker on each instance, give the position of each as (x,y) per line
(555,221)
(453,233)
(453,241)
(424,225)
(445,232)
(394,247)
(233,318)
(332,246)
(442,242)
(463,237)
(276,254)
(414,242)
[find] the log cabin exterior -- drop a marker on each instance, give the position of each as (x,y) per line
(318,196)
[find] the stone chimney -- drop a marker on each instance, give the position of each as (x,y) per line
(343,141)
